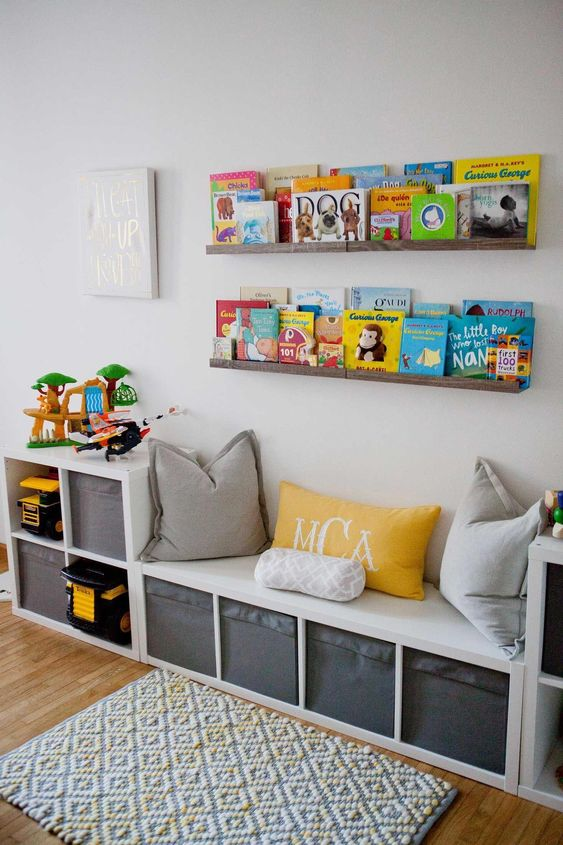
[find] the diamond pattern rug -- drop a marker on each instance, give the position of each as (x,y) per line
(165,761)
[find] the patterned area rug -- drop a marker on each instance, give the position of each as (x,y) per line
(167,761)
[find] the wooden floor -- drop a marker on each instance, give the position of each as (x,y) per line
(46,677)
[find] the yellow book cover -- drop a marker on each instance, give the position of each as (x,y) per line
(372,340)
(297,319)
(282,177)
(522,168)
(321,183)
(394,199)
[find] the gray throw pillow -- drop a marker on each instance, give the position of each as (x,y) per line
(486,559)
(217,510)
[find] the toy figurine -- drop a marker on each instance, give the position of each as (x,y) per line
(115,433)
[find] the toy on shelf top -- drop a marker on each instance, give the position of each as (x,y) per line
(96,396)
(115,432)
(554,505)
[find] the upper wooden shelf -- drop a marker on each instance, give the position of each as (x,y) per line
(369,246)
(369,375)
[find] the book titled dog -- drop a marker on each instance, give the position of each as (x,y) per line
(372,340)
(330,215)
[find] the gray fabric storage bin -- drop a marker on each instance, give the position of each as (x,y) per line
(42,589)
(351,677)
(96,508)
(455,709)
(180,626)
(259,649)
(552,660)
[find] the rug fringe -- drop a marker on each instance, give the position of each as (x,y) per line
(42,819)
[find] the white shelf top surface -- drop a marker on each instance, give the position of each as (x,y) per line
(91,463)
(420,624)
(547,547)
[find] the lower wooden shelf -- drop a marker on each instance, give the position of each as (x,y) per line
(371,246)
(368,375)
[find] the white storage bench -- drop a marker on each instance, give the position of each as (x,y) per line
(412,677)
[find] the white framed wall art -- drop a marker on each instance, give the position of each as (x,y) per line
(118,233)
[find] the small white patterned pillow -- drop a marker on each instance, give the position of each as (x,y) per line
(335,578)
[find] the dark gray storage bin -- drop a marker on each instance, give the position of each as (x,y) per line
(180,626)
(351,677)
(259,649)
(96,508)
(42,589)
(552,660)
(455,709)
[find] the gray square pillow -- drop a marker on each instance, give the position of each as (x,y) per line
(486,559)
(213,511)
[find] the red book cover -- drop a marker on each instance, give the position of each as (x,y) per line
(283,199)
(226,312)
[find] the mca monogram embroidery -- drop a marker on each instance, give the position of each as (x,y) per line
(315,540)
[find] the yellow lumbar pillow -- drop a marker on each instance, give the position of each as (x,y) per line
(389,542)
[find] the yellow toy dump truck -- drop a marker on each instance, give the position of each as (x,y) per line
(97,600)
(41,512)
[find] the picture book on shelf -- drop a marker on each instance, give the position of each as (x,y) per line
(257,222)
(462,196)
(224,217)
(499,210)
(496,308)
(274,295)
(331,300)
(509,358)
(427,181)
(285,224)
(521,168)
(282,177)
(384,227)
(330,355)
(396,201)
(251,195)
(330,215)
(328,329)
(226,313)
(431,310)
(423,346)
(359,171)
(257,331)
(439,168)
(224,348)
(298,320)
(433,217)
(321,183)
(468,339)
(295,345)
(381,299)
(372,340)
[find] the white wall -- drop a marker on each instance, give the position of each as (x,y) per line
(190,88)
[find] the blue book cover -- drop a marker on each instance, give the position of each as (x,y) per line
(468,339)
(496,308)
(443,168)
(423,347)
(431,310)
(380,299)
(360,170)
(427,180)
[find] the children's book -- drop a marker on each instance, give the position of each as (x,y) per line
(257,222)
(433,217)
(396,201)
(315,310)
(381,299)
(295,345)
(328,329)
(285,223)
(226,313)
(251,195)
(462,196)
(237,180)
(496,308)
(330,215)
(282,177)
(297,320)
(428,182)
(360,171)
(500,210)
(257,331)
(439,168)
(372,340)
(274,295)
(224,217)
(384,227)
(331,300)
(468,340)
(522,168)
(330,355)
(509,358)
(223,348)
(321,183)
(431,310)
(423,346)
